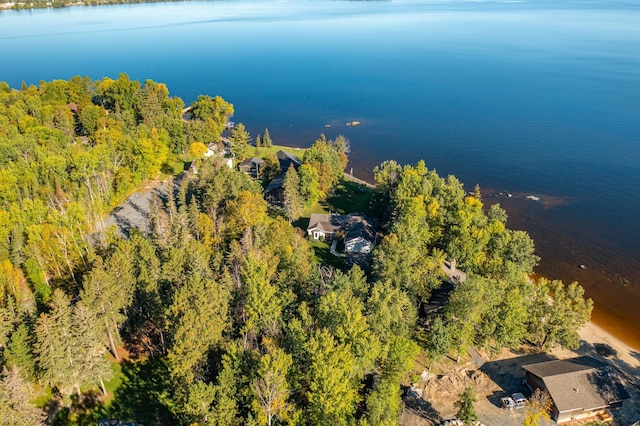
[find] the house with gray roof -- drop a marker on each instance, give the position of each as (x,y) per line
(580,388)
(359,232)
(361,236)
(252,166)
(286,159)
(325,226)
(274,192)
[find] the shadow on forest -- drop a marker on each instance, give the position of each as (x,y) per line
(142,397)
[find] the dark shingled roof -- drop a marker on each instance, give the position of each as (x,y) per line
(326,222)
(361,227)
(286,159)
(579,383)
(354,224)
(563,366)
(251,161)
(276,182)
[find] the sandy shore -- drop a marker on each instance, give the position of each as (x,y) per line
(626,358)
(502,374)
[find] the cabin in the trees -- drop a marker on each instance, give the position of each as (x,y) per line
(252,166)
(361,236)
(580,388)
(274,192)
(359,231)
(286,159)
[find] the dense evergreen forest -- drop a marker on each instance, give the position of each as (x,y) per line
(220,314)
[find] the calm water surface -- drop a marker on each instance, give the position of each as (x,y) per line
(539,98)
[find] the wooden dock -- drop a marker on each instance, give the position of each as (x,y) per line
(350,177)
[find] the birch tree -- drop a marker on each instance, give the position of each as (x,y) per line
(271,387)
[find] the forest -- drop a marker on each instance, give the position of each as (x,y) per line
(220,313)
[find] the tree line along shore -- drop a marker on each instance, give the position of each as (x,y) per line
(224,312)
(56,4)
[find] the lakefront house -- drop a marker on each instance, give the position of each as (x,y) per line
(358,231)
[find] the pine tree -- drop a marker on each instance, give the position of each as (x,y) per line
(108,291)
(466,412)
(7,318)
(240,140)
(197,319)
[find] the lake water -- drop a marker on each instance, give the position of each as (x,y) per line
(538,98)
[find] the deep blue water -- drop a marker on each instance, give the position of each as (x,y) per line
(537,97)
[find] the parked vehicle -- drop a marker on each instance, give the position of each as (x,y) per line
(508,403)
(519,400)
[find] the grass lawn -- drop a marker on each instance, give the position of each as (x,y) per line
(346,197)
(321,253)
(175,165)
(264,152)
(349,197)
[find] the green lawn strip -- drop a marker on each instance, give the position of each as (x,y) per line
(263,152)
(346,197)
(349,197)
(116,380)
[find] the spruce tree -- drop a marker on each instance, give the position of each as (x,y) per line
(466,412)
(293,203)
(240,140)
(19,352)
(266,139)
(55,348)
(90,350)
(108,291)
(197,318)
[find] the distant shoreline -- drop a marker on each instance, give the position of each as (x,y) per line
(60,5)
